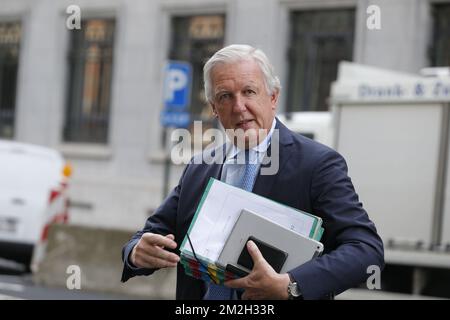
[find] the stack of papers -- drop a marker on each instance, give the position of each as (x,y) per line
(218,211)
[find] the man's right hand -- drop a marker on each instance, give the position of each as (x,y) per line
(149,252)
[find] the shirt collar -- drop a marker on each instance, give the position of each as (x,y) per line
(260,148)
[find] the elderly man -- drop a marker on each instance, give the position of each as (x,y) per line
(243,91)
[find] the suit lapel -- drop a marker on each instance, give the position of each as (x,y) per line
(264,183)
(215,170)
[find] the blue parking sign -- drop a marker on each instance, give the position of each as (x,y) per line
(177,119)
(177,94)
(177,85)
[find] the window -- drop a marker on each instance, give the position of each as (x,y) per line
(440,55)
(320,39)
(90,74)
(195,39)
(10,33)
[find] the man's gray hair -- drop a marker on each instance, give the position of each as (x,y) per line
(238,52)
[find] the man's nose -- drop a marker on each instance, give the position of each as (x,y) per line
(239,104)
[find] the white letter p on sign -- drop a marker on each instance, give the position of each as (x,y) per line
(176,80)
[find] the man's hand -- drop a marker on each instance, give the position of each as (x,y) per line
(263,282)
(149,252)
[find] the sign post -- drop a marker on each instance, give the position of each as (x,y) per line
(177,96)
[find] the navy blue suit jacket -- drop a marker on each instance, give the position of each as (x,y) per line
(312,178)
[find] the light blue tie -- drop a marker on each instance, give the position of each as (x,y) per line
(218,292)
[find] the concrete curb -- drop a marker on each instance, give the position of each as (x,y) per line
(97,253)
(5,297)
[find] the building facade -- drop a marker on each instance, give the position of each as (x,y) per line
(96,93)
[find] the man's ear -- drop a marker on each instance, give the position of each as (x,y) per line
(214,109)
(274,99)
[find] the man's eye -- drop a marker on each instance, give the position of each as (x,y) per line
(224,96)
(249,92)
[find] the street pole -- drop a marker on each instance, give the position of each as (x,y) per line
(167,162)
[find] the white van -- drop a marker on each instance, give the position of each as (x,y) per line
(315,125)
(33,195)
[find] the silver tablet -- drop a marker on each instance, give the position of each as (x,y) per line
(299,248)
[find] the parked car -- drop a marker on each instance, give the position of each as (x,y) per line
(33,196)
(314,125)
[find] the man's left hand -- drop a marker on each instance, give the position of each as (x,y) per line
(263,282)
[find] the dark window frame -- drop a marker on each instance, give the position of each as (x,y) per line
(92,127)
(304,73)
(9,69)
(196,51)
(440,50)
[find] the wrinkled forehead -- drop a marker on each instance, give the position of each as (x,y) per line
(242,70)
